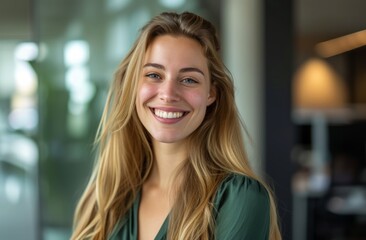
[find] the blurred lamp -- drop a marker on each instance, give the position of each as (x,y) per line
(318,87)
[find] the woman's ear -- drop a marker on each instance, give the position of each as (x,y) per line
(211,95)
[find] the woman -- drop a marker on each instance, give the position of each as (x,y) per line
(171,161)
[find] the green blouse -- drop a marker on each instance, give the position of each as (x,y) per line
(241,212)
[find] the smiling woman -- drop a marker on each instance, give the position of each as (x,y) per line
(174,90)
(172,162)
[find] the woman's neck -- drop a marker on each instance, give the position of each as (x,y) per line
(167,159)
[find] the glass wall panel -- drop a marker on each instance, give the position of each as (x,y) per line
(19,153)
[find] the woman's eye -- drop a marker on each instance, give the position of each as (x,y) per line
(189,81)
(152,75)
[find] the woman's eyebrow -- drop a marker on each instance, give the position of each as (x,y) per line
(191,69)
(183,70)
(155,65)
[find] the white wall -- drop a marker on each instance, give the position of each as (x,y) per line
(242,46)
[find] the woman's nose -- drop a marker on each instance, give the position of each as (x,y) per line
(169,91)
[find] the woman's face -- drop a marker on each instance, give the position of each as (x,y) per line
(174,88)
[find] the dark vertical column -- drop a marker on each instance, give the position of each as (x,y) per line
(278,69)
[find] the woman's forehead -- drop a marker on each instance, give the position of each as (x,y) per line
(179,50)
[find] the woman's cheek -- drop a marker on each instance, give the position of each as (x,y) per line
(146,91)
(197,99)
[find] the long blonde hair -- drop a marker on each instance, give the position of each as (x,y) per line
(125,154)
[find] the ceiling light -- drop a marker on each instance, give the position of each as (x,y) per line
(342,44)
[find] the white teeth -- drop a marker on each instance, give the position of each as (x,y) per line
(164,114)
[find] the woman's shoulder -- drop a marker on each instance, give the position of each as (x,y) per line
(241,209)
(240,188)
(241,182)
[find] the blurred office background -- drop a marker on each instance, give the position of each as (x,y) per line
(299,70)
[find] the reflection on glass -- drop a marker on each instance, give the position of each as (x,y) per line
(77,82)
(25,79)
(76,53)
(26,51)
(13,189)
(23,119)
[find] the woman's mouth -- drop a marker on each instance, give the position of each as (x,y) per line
(167,114)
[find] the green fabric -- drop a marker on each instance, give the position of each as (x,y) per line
(241,213)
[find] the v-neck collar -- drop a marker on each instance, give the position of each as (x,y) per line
(130,223)
(161,235)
